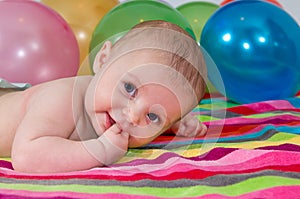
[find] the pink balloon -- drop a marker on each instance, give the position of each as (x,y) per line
(36,44)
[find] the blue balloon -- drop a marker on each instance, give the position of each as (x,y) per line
(256,47)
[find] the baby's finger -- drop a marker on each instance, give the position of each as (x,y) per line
(114,129)
(202,130)
(124,134)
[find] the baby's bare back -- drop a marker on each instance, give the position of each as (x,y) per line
(32,104)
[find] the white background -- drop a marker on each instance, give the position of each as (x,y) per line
(290,6)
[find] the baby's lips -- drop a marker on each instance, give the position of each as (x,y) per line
(109,121)
(124,133)
(119,126)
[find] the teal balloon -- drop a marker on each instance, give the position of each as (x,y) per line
(256,47)
(126,15)
(197,13)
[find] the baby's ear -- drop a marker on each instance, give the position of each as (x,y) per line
(102,56)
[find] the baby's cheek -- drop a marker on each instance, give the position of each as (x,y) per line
(145,132)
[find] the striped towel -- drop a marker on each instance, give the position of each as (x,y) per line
(250,151)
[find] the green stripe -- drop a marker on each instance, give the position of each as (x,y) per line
(6,159)
(205,118)
(243,187)
(275,138)
(266,115)
(282,137)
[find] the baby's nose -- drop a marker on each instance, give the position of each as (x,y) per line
(132,116)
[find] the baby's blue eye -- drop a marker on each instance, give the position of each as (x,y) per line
(153,117)
(130,89)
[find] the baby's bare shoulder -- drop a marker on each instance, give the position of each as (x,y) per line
(50,107)
(58,90)
(51,98)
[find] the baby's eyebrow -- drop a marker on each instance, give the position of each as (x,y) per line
(133,78)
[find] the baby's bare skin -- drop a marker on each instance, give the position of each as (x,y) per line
(15,106)
(37,128)
(9,120)
(41,119)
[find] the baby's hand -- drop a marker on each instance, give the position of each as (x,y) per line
(189,126)
(115,142)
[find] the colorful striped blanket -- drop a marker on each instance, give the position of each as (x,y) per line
(250,151)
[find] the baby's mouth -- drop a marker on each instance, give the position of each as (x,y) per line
(109,121)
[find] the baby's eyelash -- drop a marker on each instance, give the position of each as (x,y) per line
(153,117)
(130,89)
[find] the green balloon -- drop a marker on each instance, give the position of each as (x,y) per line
(197,13)
(126,15)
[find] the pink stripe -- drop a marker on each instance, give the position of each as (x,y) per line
(212,196)
(268,106)
(270,159)
(286,192)
(247,121)
(236,157)
(236,161)
(20,194)
(92,172)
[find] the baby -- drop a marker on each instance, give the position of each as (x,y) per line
(145,84)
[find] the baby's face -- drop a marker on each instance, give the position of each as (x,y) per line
(138,96)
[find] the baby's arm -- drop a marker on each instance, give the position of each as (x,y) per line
(49,154)
(42,141)
(115,143)
(189,126)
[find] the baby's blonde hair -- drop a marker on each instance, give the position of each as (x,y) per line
(180,50)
